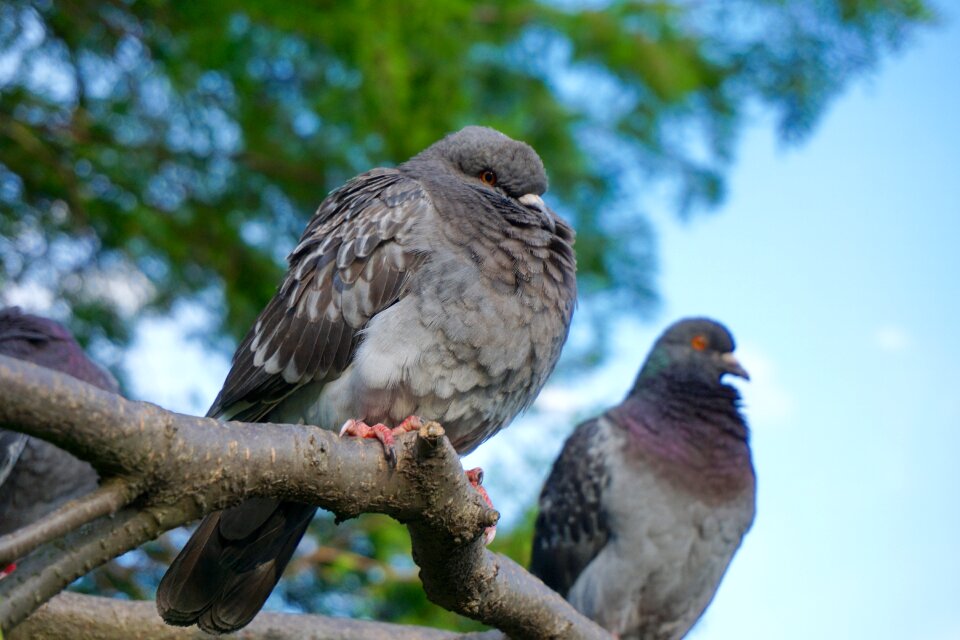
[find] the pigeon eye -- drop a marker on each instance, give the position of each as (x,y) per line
(488,177)
(699,343)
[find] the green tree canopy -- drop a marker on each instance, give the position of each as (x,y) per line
(153,152)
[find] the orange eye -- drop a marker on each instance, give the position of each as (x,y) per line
(699,343)
(488,177)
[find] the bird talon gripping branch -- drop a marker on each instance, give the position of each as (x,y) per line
(475,477)
(383,433)
(410,423)
(380,431)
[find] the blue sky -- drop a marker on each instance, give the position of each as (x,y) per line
(835,263)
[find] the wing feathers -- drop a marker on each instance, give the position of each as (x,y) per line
(351,263)
(572,528)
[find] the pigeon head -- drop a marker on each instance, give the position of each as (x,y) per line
(693,349)
(19,329)
(48,344)
(487,157)
(497,167)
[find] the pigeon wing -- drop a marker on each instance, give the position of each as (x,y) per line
(353,261)
(572,526)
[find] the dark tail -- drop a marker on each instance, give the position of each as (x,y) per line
(228,568)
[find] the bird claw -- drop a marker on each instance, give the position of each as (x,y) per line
(381,432)
(475,477)
(410,423)
(10,568)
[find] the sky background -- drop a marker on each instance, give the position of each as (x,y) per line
(835,264)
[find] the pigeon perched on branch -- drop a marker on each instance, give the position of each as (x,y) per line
(442,288)
(647,503)
(35,476)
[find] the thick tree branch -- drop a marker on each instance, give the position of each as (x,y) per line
(186,467)
(461,575)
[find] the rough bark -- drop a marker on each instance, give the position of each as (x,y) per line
(175,468)
(94,618)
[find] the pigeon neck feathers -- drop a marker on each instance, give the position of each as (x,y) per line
(689,431)
(503,226)
(686,396)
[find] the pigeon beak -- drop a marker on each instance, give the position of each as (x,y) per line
(732,366)
(535,203)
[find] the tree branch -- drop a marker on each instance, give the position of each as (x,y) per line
(52,567)
(187,466)
(95,618)
(111,496)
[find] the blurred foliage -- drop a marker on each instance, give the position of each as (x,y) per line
(153,153)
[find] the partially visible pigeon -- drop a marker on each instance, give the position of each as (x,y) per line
(442,288)
(35,476)
(647,503)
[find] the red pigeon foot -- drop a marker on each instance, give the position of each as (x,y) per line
(475,476)
(10,568)
(381,432)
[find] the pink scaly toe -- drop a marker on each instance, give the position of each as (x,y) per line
(475,477)
(383,433)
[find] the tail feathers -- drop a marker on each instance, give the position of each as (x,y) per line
(190,584)
(228,568)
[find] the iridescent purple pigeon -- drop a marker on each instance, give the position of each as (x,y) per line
(647,503)
(35,476)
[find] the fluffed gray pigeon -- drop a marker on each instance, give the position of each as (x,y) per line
(646,504)
(35,476)
(442,288)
